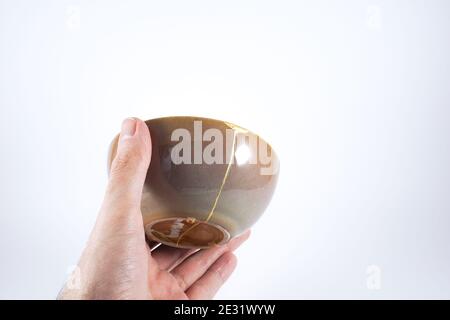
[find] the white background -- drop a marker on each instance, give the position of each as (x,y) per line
(353,95)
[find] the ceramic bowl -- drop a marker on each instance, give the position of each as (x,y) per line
(208,181)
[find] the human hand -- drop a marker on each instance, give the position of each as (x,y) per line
(117,262)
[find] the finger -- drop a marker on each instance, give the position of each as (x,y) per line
(190,270)
(167,257)
(120,212)
(208,285)
(130,165)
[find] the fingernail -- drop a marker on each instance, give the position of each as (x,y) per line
(128,128)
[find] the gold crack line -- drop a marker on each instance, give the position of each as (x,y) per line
(218,193)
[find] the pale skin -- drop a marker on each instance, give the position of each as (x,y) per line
(118,263)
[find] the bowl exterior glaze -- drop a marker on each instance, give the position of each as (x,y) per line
(196,204)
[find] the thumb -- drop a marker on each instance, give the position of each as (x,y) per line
(130,164)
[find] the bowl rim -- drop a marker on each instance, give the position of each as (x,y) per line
(232,125)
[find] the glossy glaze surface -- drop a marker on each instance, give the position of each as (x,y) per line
(220,191)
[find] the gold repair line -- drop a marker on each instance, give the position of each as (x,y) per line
(224,179)
(218,193)
(184,233)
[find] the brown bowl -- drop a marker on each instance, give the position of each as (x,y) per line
(208,181)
